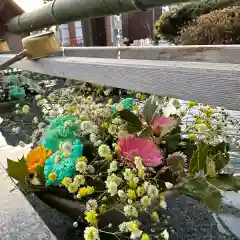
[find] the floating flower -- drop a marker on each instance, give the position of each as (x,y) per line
(165,234)
(66,166)
(104,150)
(132,146)
(37,157)
(91,217)
(161,122)
(91,233)
(126,104)
(130,211)
(58,131)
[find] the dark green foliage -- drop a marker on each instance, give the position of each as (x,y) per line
(217,27)
(170,24)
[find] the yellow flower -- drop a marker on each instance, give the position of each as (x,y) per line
(73,187)
(26,109)
(135,107)
(108,157)
(91,217)
(105,125)
(52,176)
(90,190)
(142,97)
(140,191)
(131,194)
(141,173)
(145,237)
(82,192)
(83,158)
(133,227)
(82,118)
(102,208)
(110,101)
(132,184)
(117,148)
(155,216)
(66,181)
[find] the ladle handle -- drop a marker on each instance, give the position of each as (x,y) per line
(11,61)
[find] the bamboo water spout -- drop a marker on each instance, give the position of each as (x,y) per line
(61,11)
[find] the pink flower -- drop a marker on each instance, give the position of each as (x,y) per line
(161,122)
(132,146)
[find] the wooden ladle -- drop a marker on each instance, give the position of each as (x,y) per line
(35,47)
(4,46)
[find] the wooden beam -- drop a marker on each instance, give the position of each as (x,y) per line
(216,84)
(207,53)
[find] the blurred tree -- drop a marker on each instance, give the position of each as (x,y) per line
(217,27)
(170,24)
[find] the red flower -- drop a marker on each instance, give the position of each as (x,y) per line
(132,146)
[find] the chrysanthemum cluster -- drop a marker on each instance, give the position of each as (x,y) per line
(117,154)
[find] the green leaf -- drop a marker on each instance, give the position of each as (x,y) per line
(149,110)
(168,128)
(198,160)
(226,182)
(200,189)
(212,199)
(18,170)
(211,167)
(145,133)
(130,118)
(222,156)
(40,173)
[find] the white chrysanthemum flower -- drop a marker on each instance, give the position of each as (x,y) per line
(114,178)
(15,130)
(118,121)
(202,128)
(168,185)
(119,107)
(91,233)
(25,109)
(35,181)
(121,194)
(98,143)
(91,205)
(136,234)
(152,191)
(167,111)
(104,150)
(112,188)
(81,166)
(136,179)
(79,179)
(38,97)
(138,162)
(146,201)
(93,137)
(165,234)
(124,227)
(35,120)
(88,127)
(146,185)
(130,211)
(128,174)
(112,129)
(113,166)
